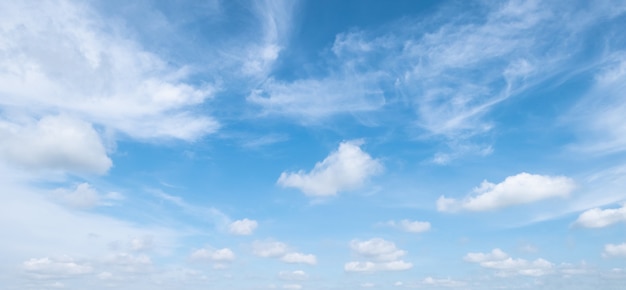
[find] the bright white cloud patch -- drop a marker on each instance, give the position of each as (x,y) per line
(514,190)
(378,255)
(345,169)
(506,266)
(243,227)
(54,143)
(612,250)
(599,218)
(410,226)
(90,69)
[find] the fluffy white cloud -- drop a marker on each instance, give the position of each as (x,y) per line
(94,71)
(274,249)
(514,190)
(379,255)
(49,267)
(612,250)
(505,265)
(243,227)
(292,286)
(345,169)
(54,143)
(269,249)
(213,255)
(410,226)
(599,218)
(84,196)
(299,258)
(293,275)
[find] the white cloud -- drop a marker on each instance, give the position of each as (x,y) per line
(299,258)
(54,143)
(213,255)
(292,286)
(345,169)
(506,266)
(599,218)
(367,285)
(84,196)
(269,249)
(49,267)
(243,227)
(598,117)
(443,282)
(274,249)
(379,255)
(410,226)
(95,72)
(310,99)
(297,275)
(518,189)
(612,250)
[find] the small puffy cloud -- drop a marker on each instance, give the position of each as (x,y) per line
(599,218)
(243,227)
(410,226)
(368,266)
(379,255)
(292,286)
(274,249)
(367,285)
(518,189)
(297,275)
(347,168)
(611,250)
(54,143)
(269,249)
(299,258)
(49,267)
(213,255)
(442,282)
(506,266)
(84,196)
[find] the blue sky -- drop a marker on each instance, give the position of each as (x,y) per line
(312,144)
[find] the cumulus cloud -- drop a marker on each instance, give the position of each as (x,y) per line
(612,250)
(410,226)
(54,143)
(599,218)
(293,275)
(213,255)
(505,265)
(299,258)
(269,249)
(442,282)
(378,255)
(292,286)
(280,250)
(243,227)
(84,196)
(518,189)
(347,168)
(55,267)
